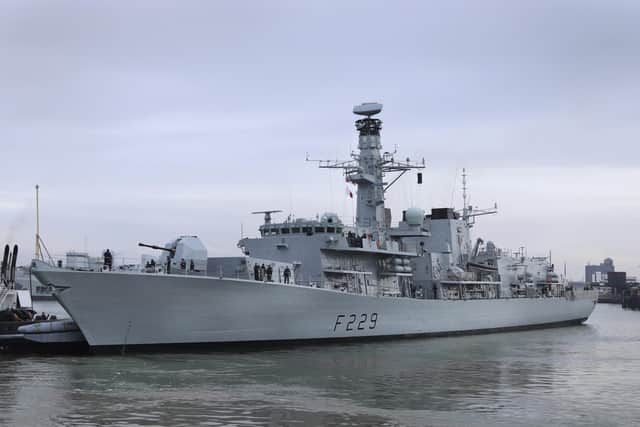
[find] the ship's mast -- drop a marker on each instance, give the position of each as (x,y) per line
(368,179)
(367,171)
(465,210)
(468,213)
(38,253)
(39,242)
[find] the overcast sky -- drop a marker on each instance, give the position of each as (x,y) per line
(145,120)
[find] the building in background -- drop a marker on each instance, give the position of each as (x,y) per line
(598,273)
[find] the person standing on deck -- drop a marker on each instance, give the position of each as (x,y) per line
(108,259)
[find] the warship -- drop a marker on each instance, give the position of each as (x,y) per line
(321,280)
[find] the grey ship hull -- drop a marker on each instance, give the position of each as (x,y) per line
(125,309)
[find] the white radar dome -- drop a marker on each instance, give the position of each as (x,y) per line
(330,217)
(414,216)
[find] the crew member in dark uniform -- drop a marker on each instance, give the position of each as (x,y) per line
(256,271)
(269,272)
(287,273)
(108,259)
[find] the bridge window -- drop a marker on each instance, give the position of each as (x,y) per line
(295,230)
(338,230)
(319,230)
(331,229)
(284,231)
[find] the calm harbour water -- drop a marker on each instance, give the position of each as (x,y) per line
(583,375)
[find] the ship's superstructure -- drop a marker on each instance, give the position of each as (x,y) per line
(308,279)
(427,256)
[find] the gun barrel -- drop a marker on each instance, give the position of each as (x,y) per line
(160,248)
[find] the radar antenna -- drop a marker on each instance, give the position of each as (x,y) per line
(267,215)
(354,171)
(367,109)
(468,213)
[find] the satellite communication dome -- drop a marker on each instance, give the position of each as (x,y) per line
(367,109)
(414,216)
(330,217)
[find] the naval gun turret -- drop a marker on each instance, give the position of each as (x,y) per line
(160,248)
(186,254)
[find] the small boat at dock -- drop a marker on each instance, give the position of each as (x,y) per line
(21,328)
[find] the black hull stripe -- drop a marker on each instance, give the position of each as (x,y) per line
(262,345)
(22,346)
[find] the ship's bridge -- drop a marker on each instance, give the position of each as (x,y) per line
(329,223)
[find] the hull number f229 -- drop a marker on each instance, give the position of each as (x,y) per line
(355,322)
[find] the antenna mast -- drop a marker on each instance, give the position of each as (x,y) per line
(39,243)
(38,253)
(465,211)
(468,213)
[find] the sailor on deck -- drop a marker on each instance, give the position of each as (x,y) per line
(108,259)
